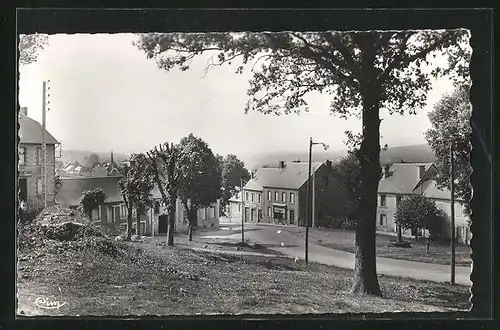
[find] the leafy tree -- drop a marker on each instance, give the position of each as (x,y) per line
(30,45)
(450,122)
(347,173)
(57,184)
(417,212)
(363,72)
(92,160)
(200,178)
(233,171)
(163,162)
(90,200)
(136,187)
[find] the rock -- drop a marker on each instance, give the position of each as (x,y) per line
(79,263)
(282,244)
(204,246)
(327,234)
(279,231)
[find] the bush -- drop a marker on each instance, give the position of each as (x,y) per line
(350,224)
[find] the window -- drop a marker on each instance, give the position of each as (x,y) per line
(269,212)
(259,214)
(239,207)
(39,186)
(157,207)
(246,196)
(268,195)
(276,196)
(292,217)
(124,210)
(22,155)
(253,197)
(383,219)
(292,198)
(283,197)
(383,201)
(260,198)
(325,181)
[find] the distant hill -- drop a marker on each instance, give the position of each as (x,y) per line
(420,153)
(70,156)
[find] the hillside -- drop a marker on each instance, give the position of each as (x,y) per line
(412,153)
(70,156)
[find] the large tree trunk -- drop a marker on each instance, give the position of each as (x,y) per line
(171,226)
(365,268)
(193,219)
(129,223)
(400,233)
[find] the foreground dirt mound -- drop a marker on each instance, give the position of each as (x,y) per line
(58,229)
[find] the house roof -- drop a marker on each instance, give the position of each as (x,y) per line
(292,176)
(403,179)
(31,131)
(430,190)
(253,184)
(72,189)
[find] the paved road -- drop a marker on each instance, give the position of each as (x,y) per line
(269,237)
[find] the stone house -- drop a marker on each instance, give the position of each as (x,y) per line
(30,163)
(279,194)
(155,221)
(403,179)
(234,207)
(112,215)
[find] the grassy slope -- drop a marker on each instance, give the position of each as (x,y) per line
(150,279)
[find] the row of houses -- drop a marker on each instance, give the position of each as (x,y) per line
(111,215)
(279,195)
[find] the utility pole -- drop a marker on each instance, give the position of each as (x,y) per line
(44,146)
(313,203)
(308,207)
(452,189)
(242,214)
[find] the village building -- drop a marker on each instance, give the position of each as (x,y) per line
(157,217)
(403,179)
(112,215)
(30,163)
(279,194)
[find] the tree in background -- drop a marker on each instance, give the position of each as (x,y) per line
(200,179)
(363,72)
(163,163)
(90,200)
(233,171)
(136,186)
(29,47)
(92,160)
(450,122)
(417,212)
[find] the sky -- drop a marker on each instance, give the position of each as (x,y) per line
(106,95)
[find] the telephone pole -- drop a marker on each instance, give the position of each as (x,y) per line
(452,213)
(44,145)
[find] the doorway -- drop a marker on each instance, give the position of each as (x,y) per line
(162,224)
(23,189)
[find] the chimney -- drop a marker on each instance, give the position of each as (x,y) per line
(24,111)
(421,171)
(328,164)
(252,174)
(387,173)
(282,164)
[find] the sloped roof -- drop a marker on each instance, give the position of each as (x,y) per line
(430,190)
(72,189)
(31,131)
(403,179)
(292,176)
(253,184)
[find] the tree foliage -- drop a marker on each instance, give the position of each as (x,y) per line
(346,172)
(418,212)
(163,162)
(93,160)
(450,122)
(200,179)
(233,171)
(90,200)
(30,45)
(136,186)
(362,72)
